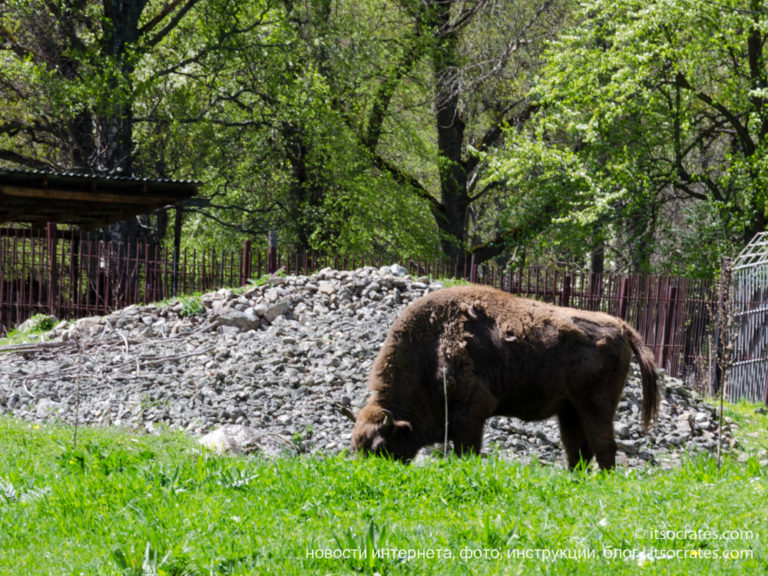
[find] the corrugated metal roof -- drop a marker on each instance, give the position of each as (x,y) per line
(85,200)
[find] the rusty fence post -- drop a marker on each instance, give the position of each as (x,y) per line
(245,263)
(53,274)
(565,293)
(272,252)
(668,336)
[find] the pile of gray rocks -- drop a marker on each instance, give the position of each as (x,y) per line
(269,368)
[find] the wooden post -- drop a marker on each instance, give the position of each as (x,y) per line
(53,275)
(245,265)
(176,248)
(717,377)
(624,298)
(272,252)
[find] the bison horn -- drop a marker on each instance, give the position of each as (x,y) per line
(389,419)
(348,413)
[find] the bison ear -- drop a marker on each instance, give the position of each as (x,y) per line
(403,427)
(391,427)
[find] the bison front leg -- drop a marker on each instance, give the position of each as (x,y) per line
(467,415)
(467,437)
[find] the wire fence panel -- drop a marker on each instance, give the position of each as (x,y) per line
(749,333)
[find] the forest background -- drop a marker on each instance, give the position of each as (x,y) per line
(619,135)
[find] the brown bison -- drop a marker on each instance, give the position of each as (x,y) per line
(497,354)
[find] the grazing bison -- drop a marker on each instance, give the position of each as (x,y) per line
(497,354)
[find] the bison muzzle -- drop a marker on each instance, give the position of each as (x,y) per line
(461,355)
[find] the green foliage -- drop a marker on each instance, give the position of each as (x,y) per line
(293,159)
(40,323)
(658,110)
(191,306)
(158,504)
(362,126)
(32,329)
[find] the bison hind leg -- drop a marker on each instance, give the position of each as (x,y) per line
(573,437)
(597,422)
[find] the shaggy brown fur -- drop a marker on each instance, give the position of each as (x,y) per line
(500,355)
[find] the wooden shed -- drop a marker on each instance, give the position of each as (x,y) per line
(49,262)
(88,201)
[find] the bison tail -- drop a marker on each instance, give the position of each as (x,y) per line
(649,375)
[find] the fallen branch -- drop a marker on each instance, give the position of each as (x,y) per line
(34,347)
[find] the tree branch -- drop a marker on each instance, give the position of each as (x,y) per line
(385,93)
(28,161)
(154,40)
(741,130)
(494,133)
(406,180)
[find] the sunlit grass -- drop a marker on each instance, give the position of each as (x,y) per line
(122,503)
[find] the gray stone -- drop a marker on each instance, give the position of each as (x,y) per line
(629,446)
(276,309)
(623,430)
(232,438)
(47,408)
(280,360)
(239,320)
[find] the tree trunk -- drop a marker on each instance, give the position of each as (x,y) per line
(115,128)
(452,211)
(597,257)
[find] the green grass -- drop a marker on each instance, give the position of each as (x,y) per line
(451,282)
(136,504)
(752,420)
(38,325)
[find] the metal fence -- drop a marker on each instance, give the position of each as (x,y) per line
(71,275)
(749,333)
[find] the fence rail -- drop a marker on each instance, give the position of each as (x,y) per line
(71,275)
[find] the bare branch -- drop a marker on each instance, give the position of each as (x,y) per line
(28,161)
(742,131)
(171,24)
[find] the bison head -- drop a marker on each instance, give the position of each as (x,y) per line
(377,432)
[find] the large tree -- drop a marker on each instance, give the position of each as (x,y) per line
(658,111)
(366,121)
(257,119)
(89,86)
(473,62)
(68,87)
(67,80)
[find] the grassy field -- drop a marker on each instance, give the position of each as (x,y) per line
(123,503)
